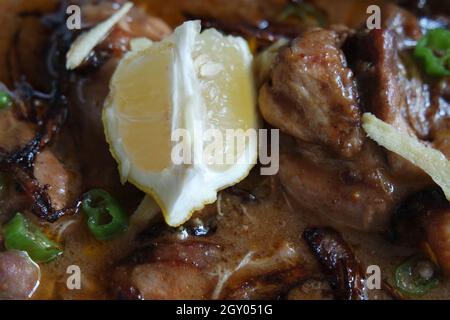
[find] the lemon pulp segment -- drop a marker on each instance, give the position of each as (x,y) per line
(144,108)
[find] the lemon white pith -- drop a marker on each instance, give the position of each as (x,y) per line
(189,80)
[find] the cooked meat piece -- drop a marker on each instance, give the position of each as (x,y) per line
(19,275)
(177,270)
(338,262)
(343,193)
(360,193)
(391,84)
(167,281)
(391,96)
(312,94)
(62,184)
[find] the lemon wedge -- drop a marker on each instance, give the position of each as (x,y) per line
(194,83)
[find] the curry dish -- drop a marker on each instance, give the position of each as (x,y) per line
(343,208)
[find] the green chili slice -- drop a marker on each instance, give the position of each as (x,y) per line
(106,218)
(5,100)
(409,280)
(303,11)
(21,234)
(434,51)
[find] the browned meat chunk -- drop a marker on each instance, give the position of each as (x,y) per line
(360,193)
(312,94)
(62,183)
(392,85)
(177,270)
(390,95)
(355,194)
(333,169)
(19,276)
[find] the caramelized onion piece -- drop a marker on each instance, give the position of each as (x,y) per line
(338,262)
